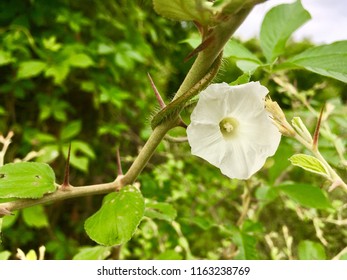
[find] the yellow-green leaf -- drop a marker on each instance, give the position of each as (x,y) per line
(30,69)
(309,163)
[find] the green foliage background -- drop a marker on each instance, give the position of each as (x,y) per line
(76,71)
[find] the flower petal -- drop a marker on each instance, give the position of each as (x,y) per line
(256,137)
(206,142)
(209,108)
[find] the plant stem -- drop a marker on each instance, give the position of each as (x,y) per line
(221,34)
(61,194)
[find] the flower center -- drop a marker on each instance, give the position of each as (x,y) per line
(228,127)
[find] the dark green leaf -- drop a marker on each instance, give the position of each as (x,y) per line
(118,218)
(309,250)
(26,180)
(306,195)
(278,25)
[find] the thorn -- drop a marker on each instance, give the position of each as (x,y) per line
(66,183)
(119,164)
(157,94)
(316,132)
(5,212)
(200,48)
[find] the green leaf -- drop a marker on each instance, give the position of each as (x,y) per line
(71,130)
(327,60)
(93,253)
(278,25)
(26,180)
(35,216)
(80,156)
(105,49)
(306,195)
(246,60)
(118,218)
(169,255)
(8,221)
(4,255)
(309,163)
(161,211)
(309,250)
(30,69)
(48,153)
(246,244)
(80,60)
(243,79)
(59,72)
(183,10)
(5,57)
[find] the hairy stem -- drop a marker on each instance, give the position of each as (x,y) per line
(202,66)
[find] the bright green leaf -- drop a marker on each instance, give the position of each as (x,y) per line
(71,130)
(31,256)
(309,250)
(239,51)
(93,253)
(105,49)
(306,195)
(278,25)
(4,255)
(48,153)
(245,59)
(183,10)
(80,60)
(5,57)
(309,163)
(59,72)
(161,211)
(35,216)
(26,180)
(118,218)
(327,60)
(30,69)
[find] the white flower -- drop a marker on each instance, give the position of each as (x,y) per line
(231,129)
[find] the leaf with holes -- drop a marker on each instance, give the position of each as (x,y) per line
(26,180)
(118,218)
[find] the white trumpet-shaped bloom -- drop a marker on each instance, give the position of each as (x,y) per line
(231,129)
